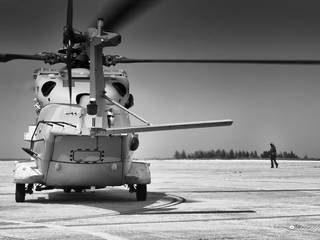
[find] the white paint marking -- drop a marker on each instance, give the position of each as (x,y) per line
(72,229)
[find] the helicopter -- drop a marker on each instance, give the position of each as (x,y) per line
(83,137)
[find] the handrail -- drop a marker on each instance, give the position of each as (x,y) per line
(50,123)
(126,110)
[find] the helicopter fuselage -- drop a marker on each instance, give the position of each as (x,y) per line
(66,153)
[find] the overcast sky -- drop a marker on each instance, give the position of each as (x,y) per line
(267,103)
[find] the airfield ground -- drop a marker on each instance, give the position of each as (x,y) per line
(188,199)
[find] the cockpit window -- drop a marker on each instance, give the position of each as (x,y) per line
(79,96)
(120,88)
(47,88)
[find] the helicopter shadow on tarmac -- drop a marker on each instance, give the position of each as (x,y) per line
(116,201)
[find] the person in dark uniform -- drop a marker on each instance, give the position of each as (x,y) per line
(273,155)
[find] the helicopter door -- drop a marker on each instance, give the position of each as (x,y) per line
(86,161)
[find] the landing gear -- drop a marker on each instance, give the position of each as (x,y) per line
(29,189)
(20,192)
(141,192)
(67,190)
(78,189)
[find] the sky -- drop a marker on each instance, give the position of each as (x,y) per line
(278,104)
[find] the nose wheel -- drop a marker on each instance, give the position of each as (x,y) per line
(20,192)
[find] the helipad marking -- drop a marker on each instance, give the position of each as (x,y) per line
(64,228)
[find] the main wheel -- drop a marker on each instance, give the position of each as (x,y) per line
(141,192)
(78,189)
(20,192)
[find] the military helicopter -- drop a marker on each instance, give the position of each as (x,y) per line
(83,137)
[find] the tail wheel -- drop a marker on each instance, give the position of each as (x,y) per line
(141,192)
(20,192)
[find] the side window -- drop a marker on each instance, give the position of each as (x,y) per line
(120,88)
(130,102)
(47,88)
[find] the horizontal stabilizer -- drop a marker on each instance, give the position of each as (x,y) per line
(172,126)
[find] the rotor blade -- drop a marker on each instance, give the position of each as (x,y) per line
(69,14)
(6,57)
(68,40)
(119,12)
(222,61)
(68,34)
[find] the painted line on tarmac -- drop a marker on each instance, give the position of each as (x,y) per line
(282,181)
(199,212)
(197,220)
(22,227)
(5,223)
(258,190)
(75,229)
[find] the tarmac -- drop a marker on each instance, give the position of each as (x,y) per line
(187,199)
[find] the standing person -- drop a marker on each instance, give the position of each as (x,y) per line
(273,155)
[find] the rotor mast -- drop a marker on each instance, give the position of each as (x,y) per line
(97,40)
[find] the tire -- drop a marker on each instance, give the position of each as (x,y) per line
(20,192)
(141,192)
(78,189)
